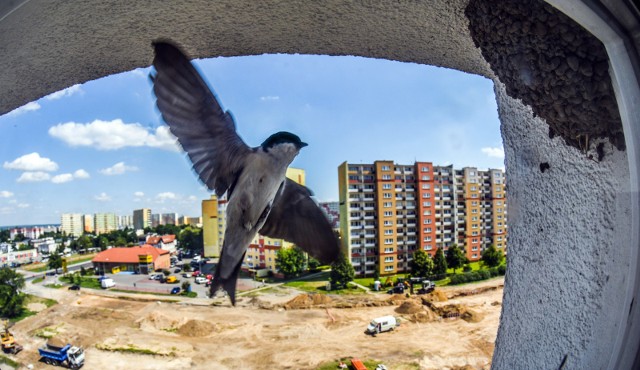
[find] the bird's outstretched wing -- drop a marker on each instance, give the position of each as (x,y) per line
(195,117)
(295,217)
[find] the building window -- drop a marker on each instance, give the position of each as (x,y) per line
(386,195)
(426,195)
(388,223)
(386,204)
(386,168)
(427,221)
(388,241)
(386,186)
(388,232)
(386,177)
(425,178)
(425,169)
(388,250)
(388,213)
(388,268)
(388,259)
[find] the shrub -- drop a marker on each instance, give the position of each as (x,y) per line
(493,271)
(502,269)
(467,268)
(484,274)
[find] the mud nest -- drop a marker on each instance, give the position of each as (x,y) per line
(552,64)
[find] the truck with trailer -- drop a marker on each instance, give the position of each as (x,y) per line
(69,356)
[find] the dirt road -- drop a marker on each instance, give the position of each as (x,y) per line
(121,334)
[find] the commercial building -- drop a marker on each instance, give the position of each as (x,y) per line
(72,224)
(390,210)
(141,218)
(142,259)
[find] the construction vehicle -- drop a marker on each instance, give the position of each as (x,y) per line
(69,356)
(9,344)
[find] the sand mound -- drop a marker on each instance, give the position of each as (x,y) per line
(424,316)
(157,321)
(438,296)
(472,316)
(409,307)
(307,301)
(396,298)
(36,307)
(196,328)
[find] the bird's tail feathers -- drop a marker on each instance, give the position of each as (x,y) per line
(228,285)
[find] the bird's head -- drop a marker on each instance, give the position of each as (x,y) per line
(283,137)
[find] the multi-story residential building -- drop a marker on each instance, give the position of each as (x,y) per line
(71,224)
(261,253)
(88,224)
(105,222)
(169,219)
(155,220)
(332,211)
(193,221)
(44,245)
(141,218)
(125,221)
(213,225)
(389,210)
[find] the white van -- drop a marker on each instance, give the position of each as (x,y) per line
(382,324)
(107,283)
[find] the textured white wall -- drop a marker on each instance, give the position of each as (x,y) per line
(568,227)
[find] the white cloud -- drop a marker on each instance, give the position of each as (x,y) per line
(6,210)
(32,162)
(81,174)
(33,177)
(64,92)
(24,205)
(103,197)
(493,152)
(138,194)
(115,134)
(13,201)
(269,98)
(62,178)
(29,107)
(118,169)
(161,197)
(141,72)
(5,194)
(192,198)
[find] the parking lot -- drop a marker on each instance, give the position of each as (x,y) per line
(142,283)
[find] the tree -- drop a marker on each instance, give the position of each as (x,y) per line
(439,263)
(342,272)
(191,239)
(492,257)
(313,264)
(55,261)
(101,242)
(422,265)
(455,257)
(83,243)
(5,235)
(11,299)
(290,261)
(186,286)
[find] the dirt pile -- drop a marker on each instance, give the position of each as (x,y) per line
(472,316)
(196,328)
(465,293)
(409,307)
(437,296)
(304,301)
(157,321)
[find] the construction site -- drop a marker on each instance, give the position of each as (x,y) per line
(275,328)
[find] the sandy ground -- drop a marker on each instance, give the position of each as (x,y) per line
(436,332)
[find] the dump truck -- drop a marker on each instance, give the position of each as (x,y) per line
(69,356)
(9,344)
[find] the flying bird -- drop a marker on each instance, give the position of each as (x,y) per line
(260,197)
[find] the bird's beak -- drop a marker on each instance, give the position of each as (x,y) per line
(303,144)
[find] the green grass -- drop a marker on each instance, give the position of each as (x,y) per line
(85,282)
(54,285)
(10,362)
(41,267)
(333,365)
(35,299)
(38,280)
(475,266)
(133,349)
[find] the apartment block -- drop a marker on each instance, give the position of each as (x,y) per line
(71,224)
(389,210)
(141,218)
(213,225)
(105,222)
(88,224)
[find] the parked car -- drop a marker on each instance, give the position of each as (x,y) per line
(74,287)
(177,270)
(171,279)
(154,277)
(196,273)
(175,290)
(398,289)
(382,324)
(186,274)
(201,280)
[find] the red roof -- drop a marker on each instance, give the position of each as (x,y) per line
(166,239)
(128,255)
(153,240)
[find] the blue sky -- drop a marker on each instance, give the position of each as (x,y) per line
(102,147)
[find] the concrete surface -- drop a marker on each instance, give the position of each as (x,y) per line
(573,252)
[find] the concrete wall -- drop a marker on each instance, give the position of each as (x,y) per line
(573,250)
